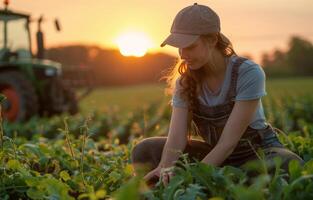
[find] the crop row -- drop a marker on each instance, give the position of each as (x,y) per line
(89,158)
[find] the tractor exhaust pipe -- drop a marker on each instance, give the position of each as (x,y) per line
(40,40)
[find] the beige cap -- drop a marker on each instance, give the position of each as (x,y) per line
(190,23)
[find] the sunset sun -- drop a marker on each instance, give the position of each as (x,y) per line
(133,44)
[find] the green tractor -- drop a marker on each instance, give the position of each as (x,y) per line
(33,85)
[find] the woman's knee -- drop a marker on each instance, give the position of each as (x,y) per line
(138,151)
(146,149)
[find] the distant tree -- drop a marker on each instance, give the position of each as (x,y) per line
(297,60)
(300,55)
(265,59)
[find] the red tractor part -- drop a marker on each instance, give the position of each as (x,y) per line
(11,105)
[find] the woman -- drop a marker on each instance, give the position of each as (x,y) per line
(217,92)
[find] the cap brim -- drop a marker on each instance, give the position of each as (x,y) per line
(179,40)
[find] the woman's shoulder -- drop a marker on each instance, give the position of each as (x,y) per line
(250,81)
(250,69)
(177,100)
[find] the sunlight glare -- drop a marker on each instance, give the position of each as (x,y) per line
(133,44)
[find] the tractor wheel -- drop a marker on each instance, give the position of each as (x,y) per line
(62,98)
(21,102)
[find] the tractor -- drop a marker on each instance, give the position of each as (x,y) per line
(32,84)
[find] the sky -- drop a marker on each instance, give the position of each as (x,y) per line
(253,26)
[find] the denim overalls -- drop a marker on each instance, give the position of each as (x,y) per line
(210,121)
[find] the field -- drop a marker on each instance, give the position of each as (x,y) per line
(87,156)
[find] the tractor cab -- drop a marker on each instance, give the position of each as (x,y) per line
(15,40)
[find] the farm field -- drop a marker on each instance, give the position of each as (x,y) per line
(132,97)
(87,156)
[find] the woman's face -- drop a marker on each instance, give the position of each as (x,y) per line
(196,55)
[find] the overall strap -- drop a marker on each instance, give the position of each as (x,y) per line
(234,75)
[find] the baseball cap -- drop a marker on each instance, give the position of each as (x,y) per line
(190,23)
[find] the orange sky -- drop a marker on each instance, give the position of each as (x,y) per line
(253,26)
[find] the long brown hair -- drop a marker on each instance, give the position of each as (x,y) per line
(191,80)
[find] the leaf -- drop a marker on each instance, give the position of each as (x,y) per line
(129,170)
(56,189)
(13,164)
(174,184)
(294,170)
(100,194)
(83,196)
(244,193)
(129,191)
(32,181)
(65,176)
(260,182)
(309,167)
(215,198)
(34,193)
(276,188)
(193,191)
(16,165)
(178,193)
(32,148)
(115,176)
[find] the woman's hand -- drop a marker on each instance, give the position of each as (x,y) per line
(153,176)
(164,173)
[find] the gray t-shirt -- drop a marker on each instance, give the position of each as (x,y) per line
(250,85)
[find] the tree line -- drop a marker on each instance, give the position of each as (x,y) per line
(108,67)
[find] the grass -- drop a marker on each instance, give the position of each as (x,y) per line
(290,86)
(126,99)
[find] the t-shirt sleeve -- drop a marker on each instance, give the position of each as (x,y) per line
(251,82)
(177,100)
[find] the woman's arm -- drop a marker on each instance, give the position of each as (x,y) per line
(175,143)
(177,137)
(237,123)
